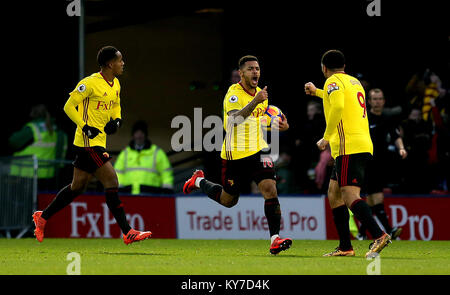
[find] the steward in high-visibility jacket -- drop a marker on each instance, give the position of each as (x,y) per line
(42,138)
(143,165)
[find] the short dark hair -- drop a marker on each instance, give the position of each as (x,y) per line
(105,54)
(245,59)
(375,90)
(140,125)
(333,59)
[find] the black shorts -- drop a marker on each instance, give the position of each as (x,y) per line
(351,169)
(90,159)
(235,173)
(375,177)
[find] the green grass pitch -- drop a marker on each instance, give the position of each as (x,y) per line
(215,257)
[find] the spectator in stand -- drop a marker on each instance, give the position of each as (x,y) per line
(417,138)
(143,167)
(323,170)
(422,88)
(40,137)
(307,155)
(235,77)
(439,153)
(364,82)
(283,168)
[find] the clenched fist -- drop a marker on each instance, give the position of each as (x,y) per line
(310,89)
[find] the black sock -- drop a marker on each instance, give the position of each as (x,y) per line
(379,211)
(211,189)
(116,208)
(273,214)
(341,218)
(362,230)
(363,213)
(64,197)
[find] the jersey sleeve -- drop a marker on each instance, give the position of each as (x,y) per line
(335,90)
(83,90)
(319,93)
(232,101)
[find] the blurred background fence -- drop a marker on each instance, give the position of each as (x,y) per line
(18,194)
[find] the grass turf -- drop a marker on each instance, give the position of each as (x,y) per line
(216,257)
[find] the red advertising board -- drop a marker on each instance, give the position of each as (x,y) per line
(88,216)
(421,217)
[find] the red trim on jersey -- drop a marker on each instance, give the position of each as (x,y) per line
(228,138)
(342,141)
(110,84)
(85,117)
(340,138)
(340,128)
(246,89)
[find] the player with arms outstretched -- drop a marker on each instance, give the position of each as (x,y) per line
(94,106)
(347,133)
(242,160)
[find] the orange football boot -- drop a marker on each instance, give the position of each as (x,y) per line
(279,245)
(136,236)
(339,252)
(378,245)
(189,185)
(39,223)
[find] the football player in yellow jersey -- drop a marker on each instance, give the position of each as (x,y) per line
(348,135)
(94,106)
(242,160)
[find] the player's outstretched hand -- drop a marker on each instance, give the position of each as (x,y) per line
(90,131)
(262,95)
(310,88)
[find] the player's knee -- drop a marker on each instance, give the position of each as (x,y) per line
(114,183)
(111,182)
(230,202)
(268,190)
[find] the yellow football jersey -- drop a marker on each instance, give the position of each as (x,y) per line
(345,111)
(246,138)
(97,101)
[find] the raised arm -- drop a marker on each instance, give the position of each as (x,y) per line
(239,116)
(311,89)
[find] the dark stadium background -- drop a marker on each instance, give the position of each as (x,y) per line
(179,55)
